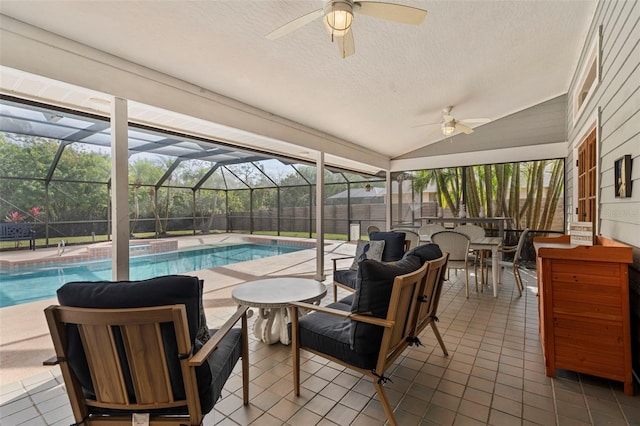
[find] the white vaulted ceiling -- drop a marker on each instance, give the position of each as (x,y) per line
(487,58)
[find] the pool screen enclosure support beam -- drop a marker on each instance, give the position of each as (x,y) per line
(120,189)
(251,211)
(320,217)
(193,209)
(278,210)
(349,211)
(387,200)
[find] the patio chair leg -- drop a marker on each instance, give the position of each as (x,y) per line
(486,273)
(516,274)
(385,402)
(335,293)
(466,285)
(475,271)
(466,278)
(434,327)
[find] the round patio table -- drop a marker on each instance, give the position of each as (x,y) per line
(273,297)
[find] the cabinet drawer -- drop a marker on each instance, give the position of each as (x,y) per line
(593,271)
(588,300)
(589,346)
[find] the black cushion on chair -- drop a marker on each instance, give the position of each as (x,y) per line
(375,282)
(426,252)
(372,296)
(221,364)
(347,300)
(331,335)
(351,341)
(348,277)
(393,244)
(166,290)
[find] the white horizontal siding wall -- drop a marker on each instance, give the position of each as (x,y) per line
(616,102)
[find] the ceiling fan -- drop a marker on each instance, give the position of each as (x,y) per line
(338,18)
(449,124)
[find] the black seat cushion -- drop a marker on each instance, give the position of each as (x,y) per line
(354,342)
(348,277)
(393,244)
(331,335)
(347,300)
(160,291)
(426,252)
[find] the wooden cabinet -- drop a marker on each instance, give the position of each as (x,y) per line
(583,307)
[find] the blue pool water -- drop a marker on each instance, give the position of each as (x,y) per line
(41,282)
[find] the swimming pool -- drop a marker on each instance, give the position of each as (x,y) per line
(41,282)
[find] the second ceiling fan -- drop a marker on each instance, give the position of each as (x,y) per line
(338,16)
(449,124)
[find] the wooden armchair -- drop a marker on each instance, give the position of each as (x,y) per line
(369,335)
(429,299)
(146,360)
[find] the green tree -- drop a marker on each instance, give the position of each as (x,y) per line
(499,189)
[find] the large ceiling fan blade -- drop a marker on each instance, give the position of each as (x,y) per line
(295,24)
(425,125)
(463,128)
(392,12)
(346,45)
(476,120)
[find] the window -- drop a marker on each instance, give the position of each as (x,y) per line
(587,162)
(589,77)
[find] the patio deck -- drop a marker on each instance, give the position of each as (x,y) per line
(494,373)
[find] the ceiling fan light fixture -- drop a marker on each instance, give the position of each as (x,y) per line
(338,18)
(448,128)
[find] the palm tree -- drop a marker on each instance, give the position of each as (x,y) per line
(502,183)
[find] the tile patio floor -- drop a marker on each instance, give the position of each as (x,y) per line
(494,373)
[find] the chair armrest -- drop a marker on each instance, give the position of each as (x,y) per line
(507,249)
(323,309)
(337,312)
(335,261)
(201,356)
(54,360)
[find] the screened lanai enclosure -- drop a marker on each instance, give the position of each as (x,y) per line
(55,169)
